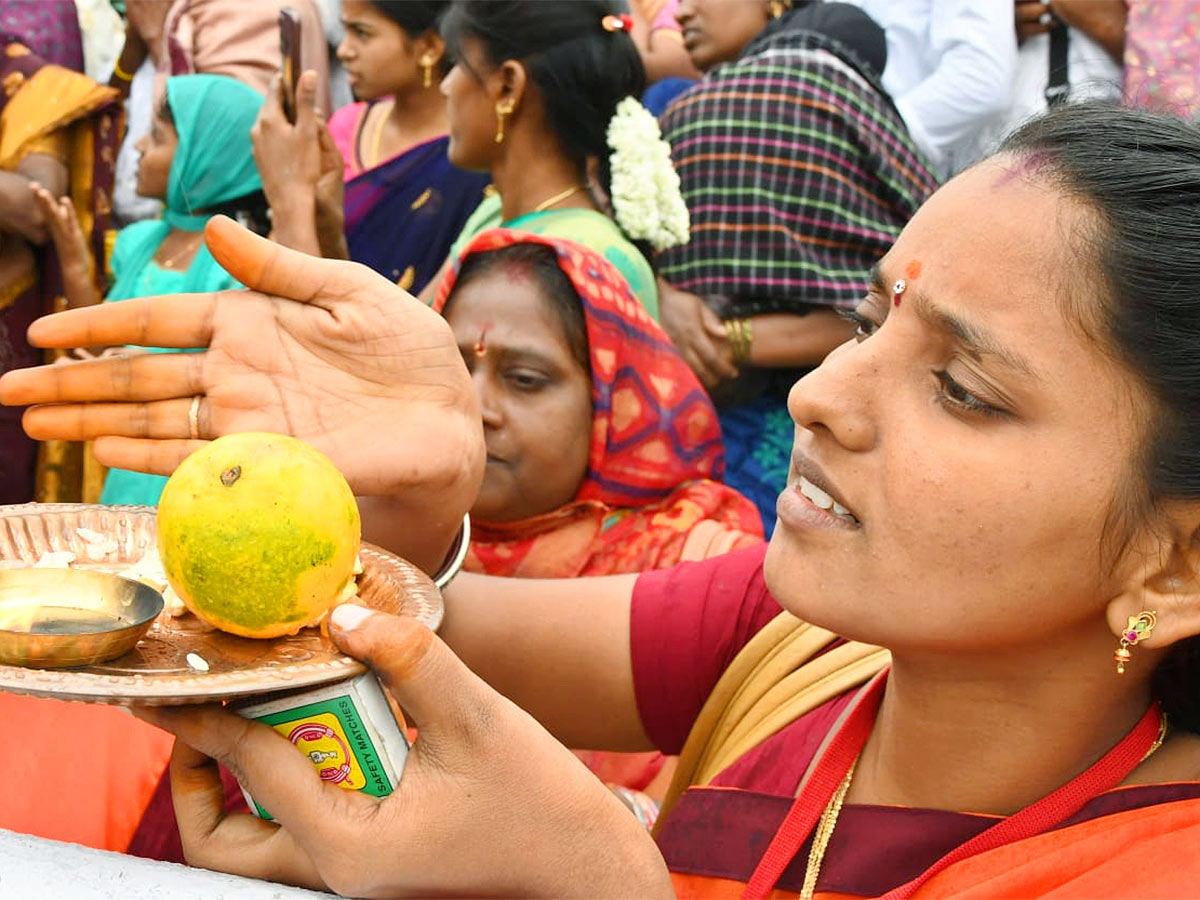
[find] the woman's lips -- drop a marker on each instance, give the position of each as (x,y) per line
(798,513)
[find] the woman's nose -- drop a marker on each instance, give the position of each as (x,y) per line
(836,397)
(489,404)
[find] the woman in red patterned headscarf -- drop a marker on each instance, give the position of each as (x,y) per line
(604,452)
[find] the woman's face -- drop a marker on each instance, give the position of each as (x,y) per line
(715,31)
(376,52)
(471,108)
(536,397)
(977,437)
(156,149)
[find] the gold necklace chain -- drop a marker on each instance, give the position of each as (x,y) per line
(829,818)
(559,198)
(824,832)
(192,247)
(1158,741)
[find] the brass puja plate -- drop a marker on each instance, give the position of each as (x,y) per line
(182,660)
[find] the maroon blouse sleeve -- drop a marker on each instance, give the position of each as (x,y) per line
(687,624)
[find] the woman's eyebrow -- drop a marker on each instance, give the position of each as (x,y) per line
(974,338)
(510,352)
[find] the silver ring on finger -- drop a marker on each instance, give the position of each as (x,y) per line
(194,419)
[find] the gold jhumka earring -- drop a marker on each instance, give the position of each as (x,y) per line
(1137,630)
(504,109)
(427,69)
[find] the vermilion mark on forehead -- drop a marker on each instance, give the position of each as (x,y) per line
(480,347)
(913,270)
(1026,165)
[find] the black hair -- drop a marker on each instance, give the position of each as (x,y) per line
(540,263)
(417,17)
(581,70)
(250,210)
(1138,173)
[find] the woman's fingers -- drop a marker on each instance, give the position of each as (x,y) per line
(158,420)
(42,198)
(141,378)
(272,107)
(158,457)
(172,320)
(306,100)
(198,792)
(281,778)
(271,268)
(421,672)
(240,844)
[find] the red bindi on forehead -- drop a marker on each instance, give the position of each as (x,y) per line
(912,271)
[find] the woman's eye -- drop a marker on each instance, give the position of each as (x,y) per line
(956,397)
(864,327)
(527,381)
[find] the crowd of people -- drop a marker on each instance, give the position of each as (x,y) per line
(835,351)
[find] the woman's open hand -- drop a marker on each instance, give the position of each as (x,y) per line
(326,351)
(489,803)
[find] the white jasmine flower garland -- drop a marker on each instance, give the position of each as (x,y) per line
(646,199)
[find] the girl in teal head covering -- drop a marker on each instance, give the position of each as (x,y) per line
(197,158)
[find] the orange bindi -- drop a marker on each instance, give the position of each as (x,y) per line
(911,272)
(480,347)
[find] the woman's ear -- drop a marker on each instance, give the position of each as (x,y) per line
(430,45)
(513,81)
(1166,583)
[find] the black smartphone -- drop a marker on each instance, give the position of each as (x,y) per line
(289,46)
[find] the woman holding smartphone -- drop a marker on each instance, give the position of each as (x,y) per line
(402,203)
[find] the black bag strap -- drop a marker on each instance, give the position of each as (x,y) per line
(1058,84)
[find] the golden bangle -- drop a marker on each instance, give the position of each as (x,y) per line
(740,334)
(121,73)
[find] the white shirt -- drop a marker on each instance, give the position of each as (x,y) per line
(1091,75)
(950,71)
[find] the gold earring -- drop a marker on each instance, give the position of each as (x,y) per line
(503,110)
(1136,631)
(777,8)
(427,69)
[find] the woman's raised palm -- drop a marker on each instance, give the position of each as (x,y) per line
(327,351)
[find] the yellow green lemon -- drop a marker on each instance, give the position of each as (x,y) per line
(259,534)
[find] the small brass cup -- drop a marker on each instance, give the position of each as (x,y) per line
(58,618)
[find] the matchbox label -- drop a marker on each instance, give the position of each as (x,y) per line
(332,734)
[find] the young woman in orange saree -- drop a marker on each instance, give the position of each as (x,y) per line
(997,480)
